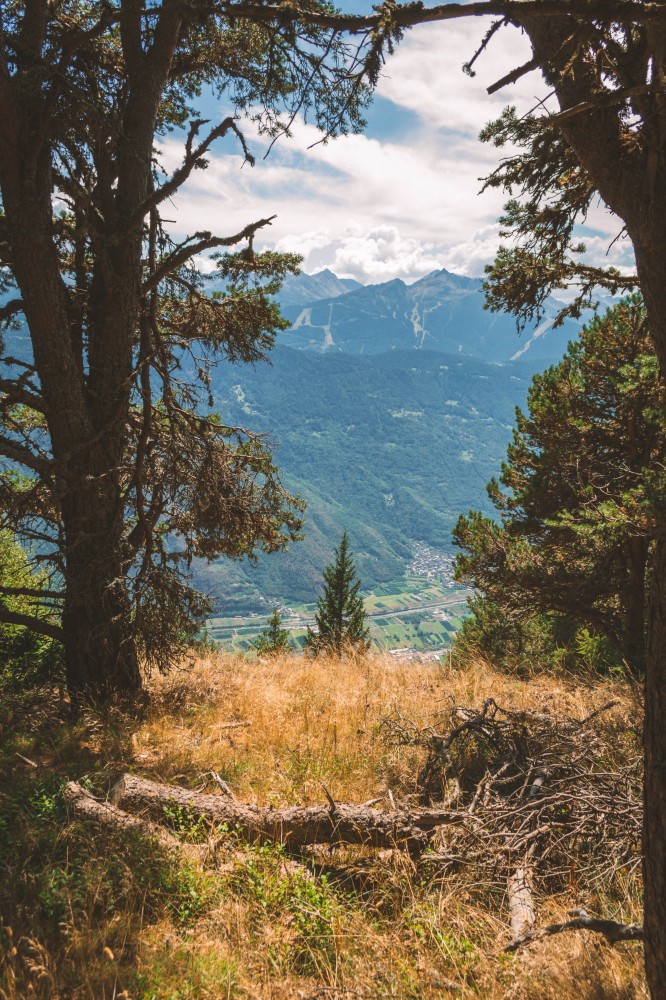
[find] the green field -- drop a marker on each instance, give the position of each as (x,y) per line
(412,613)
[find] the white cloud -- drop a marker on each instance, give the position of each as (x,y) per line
(471,256)
(369,256)
(425,75)
(204,264)
(345,192)
(374,207)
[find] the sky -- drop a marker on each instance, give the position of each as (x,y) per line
(403,198)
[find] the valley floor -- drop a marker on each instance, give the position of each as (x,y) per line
(414,613)
(88,913)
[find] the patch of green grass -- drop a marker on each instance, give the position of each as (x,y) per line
(181,974)
(308,908)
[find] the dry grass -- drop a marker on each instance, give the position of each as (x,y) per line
(316,721)
(361,926)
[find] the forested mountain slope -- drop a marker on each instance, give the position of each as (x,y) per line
(388,420)
(391,447)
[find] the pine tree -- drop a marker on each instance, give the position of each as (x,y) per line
(341,618)
(274,640)
(105,409)
(578,498)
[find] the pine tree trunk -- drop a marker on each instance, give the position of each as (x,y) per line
(654,830)
(87,424)
(651,262)
(100,652)
(647,237)
(101,659)
(634,618)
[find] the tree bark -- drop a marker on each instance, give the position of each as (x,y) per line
(296,825)
(100,651)
(104,814)
(647,237)
(634,618)
(654,824)
(521,905)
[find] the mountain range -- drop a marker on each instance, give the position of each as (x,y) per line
(440,312)
(389,407)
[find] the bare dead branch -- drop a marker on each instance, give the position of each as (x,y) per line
(612,931)
(521,905)
(514,76)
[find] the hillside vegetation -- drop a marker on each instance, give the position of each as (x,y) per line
(91,914)
(390,447)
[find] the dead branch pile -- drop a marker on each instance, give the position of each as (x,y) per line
(548,799)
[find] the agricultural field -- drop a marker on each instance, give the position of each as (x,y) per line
(412,613)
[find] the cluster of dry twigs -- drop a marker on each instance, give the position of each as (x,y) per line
(549,800)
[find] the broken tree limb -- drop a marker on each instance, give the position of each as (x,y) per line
(294,825)
(522,915)
(611,930)
(521,906)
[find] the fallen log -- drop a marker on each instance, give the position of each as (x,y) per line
(108,816)
(335,823)
(104,814)
(611,930)
(521,906)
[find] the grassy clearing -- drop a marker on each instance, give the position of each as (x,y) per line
(87,915)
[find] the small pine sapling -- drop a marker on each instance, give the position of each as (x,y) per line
(274,640)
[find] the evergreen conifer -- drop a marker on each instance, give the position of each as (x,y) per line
(341,619)
(578,501)
(274,640)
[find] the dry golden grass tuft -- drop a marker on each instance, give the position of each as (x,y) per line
(104,918)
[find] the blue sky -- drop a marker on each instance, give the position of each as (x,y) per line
(400,200)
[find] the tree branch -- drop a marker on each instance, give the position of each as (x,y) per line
(514,76)
(31,592)
(10,309)
(604,100)
(15,393)
(19,453)
(204,241)
(190,161)
(612,931)
(33,624)
(410,14)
